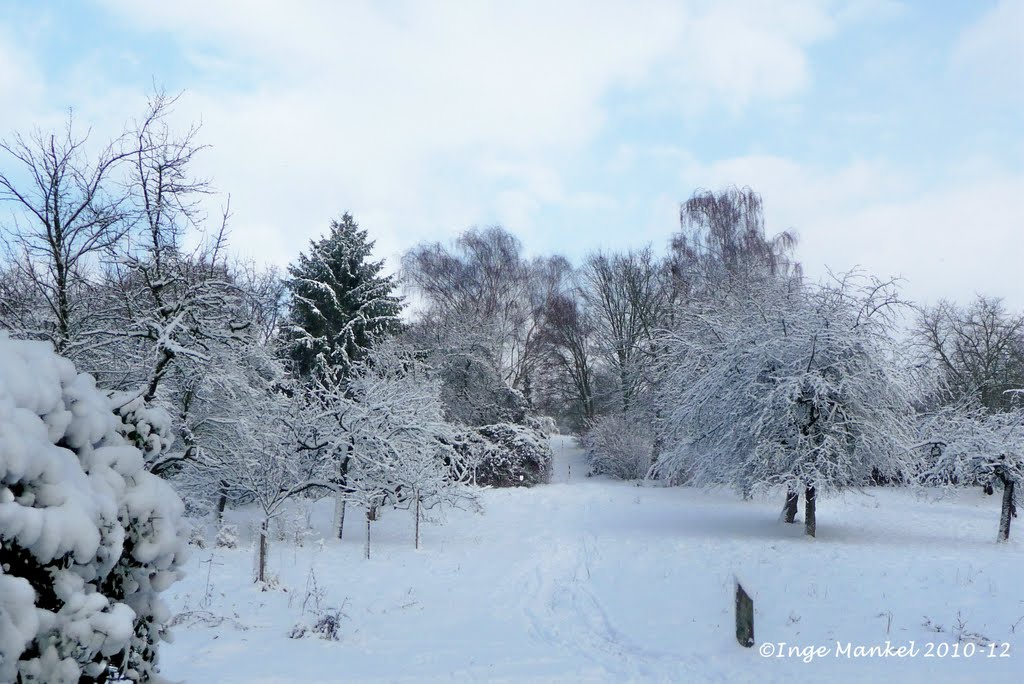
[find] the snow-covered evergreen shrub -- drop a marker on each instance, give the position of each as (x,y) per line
(507,455)
(88,538)
(621,446)
(473,391)
(147,428)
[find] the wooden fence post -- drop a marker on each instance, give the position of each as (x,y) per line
(744,617)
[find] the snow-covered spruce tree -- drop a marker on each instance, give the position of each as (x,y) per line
(795,386)
(340,303)
(88,538)
(968,445)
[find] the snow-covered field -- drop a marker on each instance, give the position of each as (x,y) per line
(587,579)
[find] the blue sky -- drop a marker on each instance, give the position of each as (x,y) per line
(887,134)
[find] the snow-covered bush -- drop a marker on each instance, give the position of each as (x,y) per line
(147,428)
(227,537)
(548,425)
(325,624)
(621,446)
(88,538)
(507,455)
(197,537)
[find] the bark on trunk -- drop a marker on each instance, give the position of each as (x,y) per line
(1009,509)
(339,497)
(417,522)
(222,501)
(340,503)
(261,571)
(368,519)
(790,509)
(810,523)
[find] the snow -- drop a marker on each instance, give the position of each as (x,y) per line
(589,579)
(87,537)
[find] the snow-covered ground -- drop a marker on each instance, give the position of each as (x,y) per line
(587,579)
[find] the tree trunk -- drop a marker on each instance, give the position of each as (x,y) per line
(810,523)
(1009,509)
(417,521)
(340,503)
(368,519)
(790,509)
(340,500)
(222,501)
(261,570)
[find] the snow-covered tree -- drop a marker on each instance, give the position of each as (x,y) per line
(620,445)
(568,339)
(798,387)
(967,445)
(88,538)
(341,304)
(386,429)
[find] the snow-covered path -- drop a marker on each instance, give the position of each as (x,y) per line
(587,579)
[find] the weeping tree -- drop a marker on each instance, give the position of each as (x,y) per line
(722,246)
(797,387)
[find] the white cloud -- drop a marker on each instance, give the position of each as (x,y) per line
(947,241)
(428,117)
(21,83)
(425,118)
(991,51)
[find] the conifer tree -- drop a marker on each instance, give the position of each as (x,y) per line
(341,304)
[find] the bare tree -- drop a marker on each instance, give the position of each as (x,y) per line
(626,298)
(483,285)
(69,206)
(978,350)
(722,245)
(568,337)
